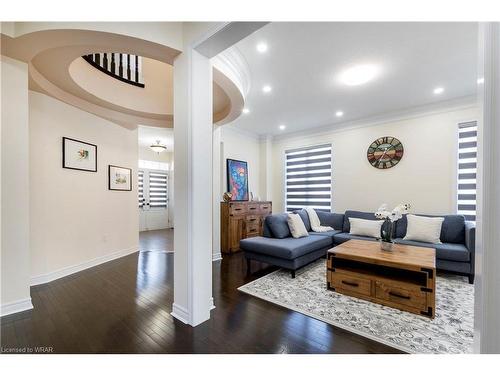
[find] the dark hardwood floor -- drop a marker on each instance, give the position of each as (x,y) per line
(124,306)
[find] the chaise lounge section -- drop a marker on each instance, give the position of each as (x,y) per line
(277,247)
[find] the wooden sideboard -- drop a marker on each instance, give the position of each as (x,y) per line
(241,219)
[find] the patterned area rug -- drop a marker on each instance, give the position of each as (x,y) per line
(451,331)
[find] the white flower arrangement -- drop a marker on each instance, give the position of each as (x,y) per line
(391,217)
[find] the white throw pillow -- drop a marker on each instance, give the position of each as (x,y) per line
(297,226)
(424,229)
(363,227)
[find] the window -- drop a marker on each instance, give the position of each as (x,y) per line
(309,178)
(467,168)
(158,190)
(148,164)
(152,189)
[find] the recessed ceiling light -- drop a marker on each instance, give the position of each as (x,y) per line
(282,127)
(266,88)
(245,110)
(480,81)
(438,90)
(359,74)
(339,113)
(262,47)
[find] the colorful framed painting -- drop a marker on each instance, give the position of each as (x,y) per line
(119,178)
(79,155)
(237,179)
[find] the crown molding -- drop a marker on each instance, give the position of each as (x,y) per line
(406,114)
(242,132)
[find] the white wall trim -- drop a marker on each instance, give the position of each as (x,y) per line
(216,256)
(62,272)
(180,313)
(246,133)
(407,114)
(16,306)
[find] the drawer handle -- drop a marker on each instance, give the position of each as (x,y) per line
(237,209)
(253,208)
(349,283)
(252,219)
(265,207)
(398,295)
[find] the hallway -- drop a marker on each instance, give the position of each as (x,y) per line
(124,306)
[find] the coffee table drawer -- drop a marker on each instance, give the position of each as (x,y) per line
(350,283)
(411,296)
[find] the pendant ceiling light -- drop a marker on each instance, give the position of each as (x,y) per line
(158,147)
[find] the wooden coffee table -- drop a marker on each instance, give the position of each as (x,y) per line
(404,278)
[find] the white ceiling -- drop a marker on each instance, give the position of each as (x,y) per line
(304,59)
(149,135)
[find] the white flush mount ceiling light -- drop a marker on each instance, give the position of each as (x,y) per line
(245,110)
(359,74)
(339,113)
(438,90)
(158,147)
(261,47)
(282,127)
(266,89)
(480,81)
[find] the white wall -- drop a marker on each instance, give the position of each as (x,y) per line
(15,257)
(75,219)
(241,145)
(425,177)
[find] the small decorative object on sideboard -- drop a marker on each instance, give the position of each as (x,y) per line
(390,217)
(227,196)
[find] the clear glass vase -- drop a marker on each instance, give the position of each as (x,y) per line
(386,246)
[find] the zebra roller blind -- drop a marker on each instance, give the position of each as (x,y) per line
(309,178)
(467,169)
(140,187)
(158,189)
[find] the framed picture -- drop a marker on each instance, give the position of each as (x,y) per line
(237,179)
(79,155)
(119,178)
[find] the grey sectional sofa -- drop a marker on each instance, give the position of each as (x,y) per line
(278,247)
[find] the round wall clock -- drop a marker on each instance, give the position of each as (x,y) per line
(385,152)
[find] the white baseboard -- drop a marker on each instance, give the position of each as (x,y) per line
(212,305)
(216,256)
(16,306)
(54,275)
(180,313)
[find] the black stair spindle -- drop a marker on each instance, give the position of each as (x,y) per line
(116,66)
(113,63)
(137,68)
(120,69)
(105,61)
(128,67)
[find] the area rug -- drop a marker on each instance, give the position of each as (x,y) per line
(451,331)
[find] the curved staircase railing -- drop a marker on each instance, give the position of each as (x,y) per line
(122,66)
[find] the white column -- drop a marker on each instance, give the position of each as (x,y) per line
(487,283)
(193,187)
(217,188)
(15,258)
